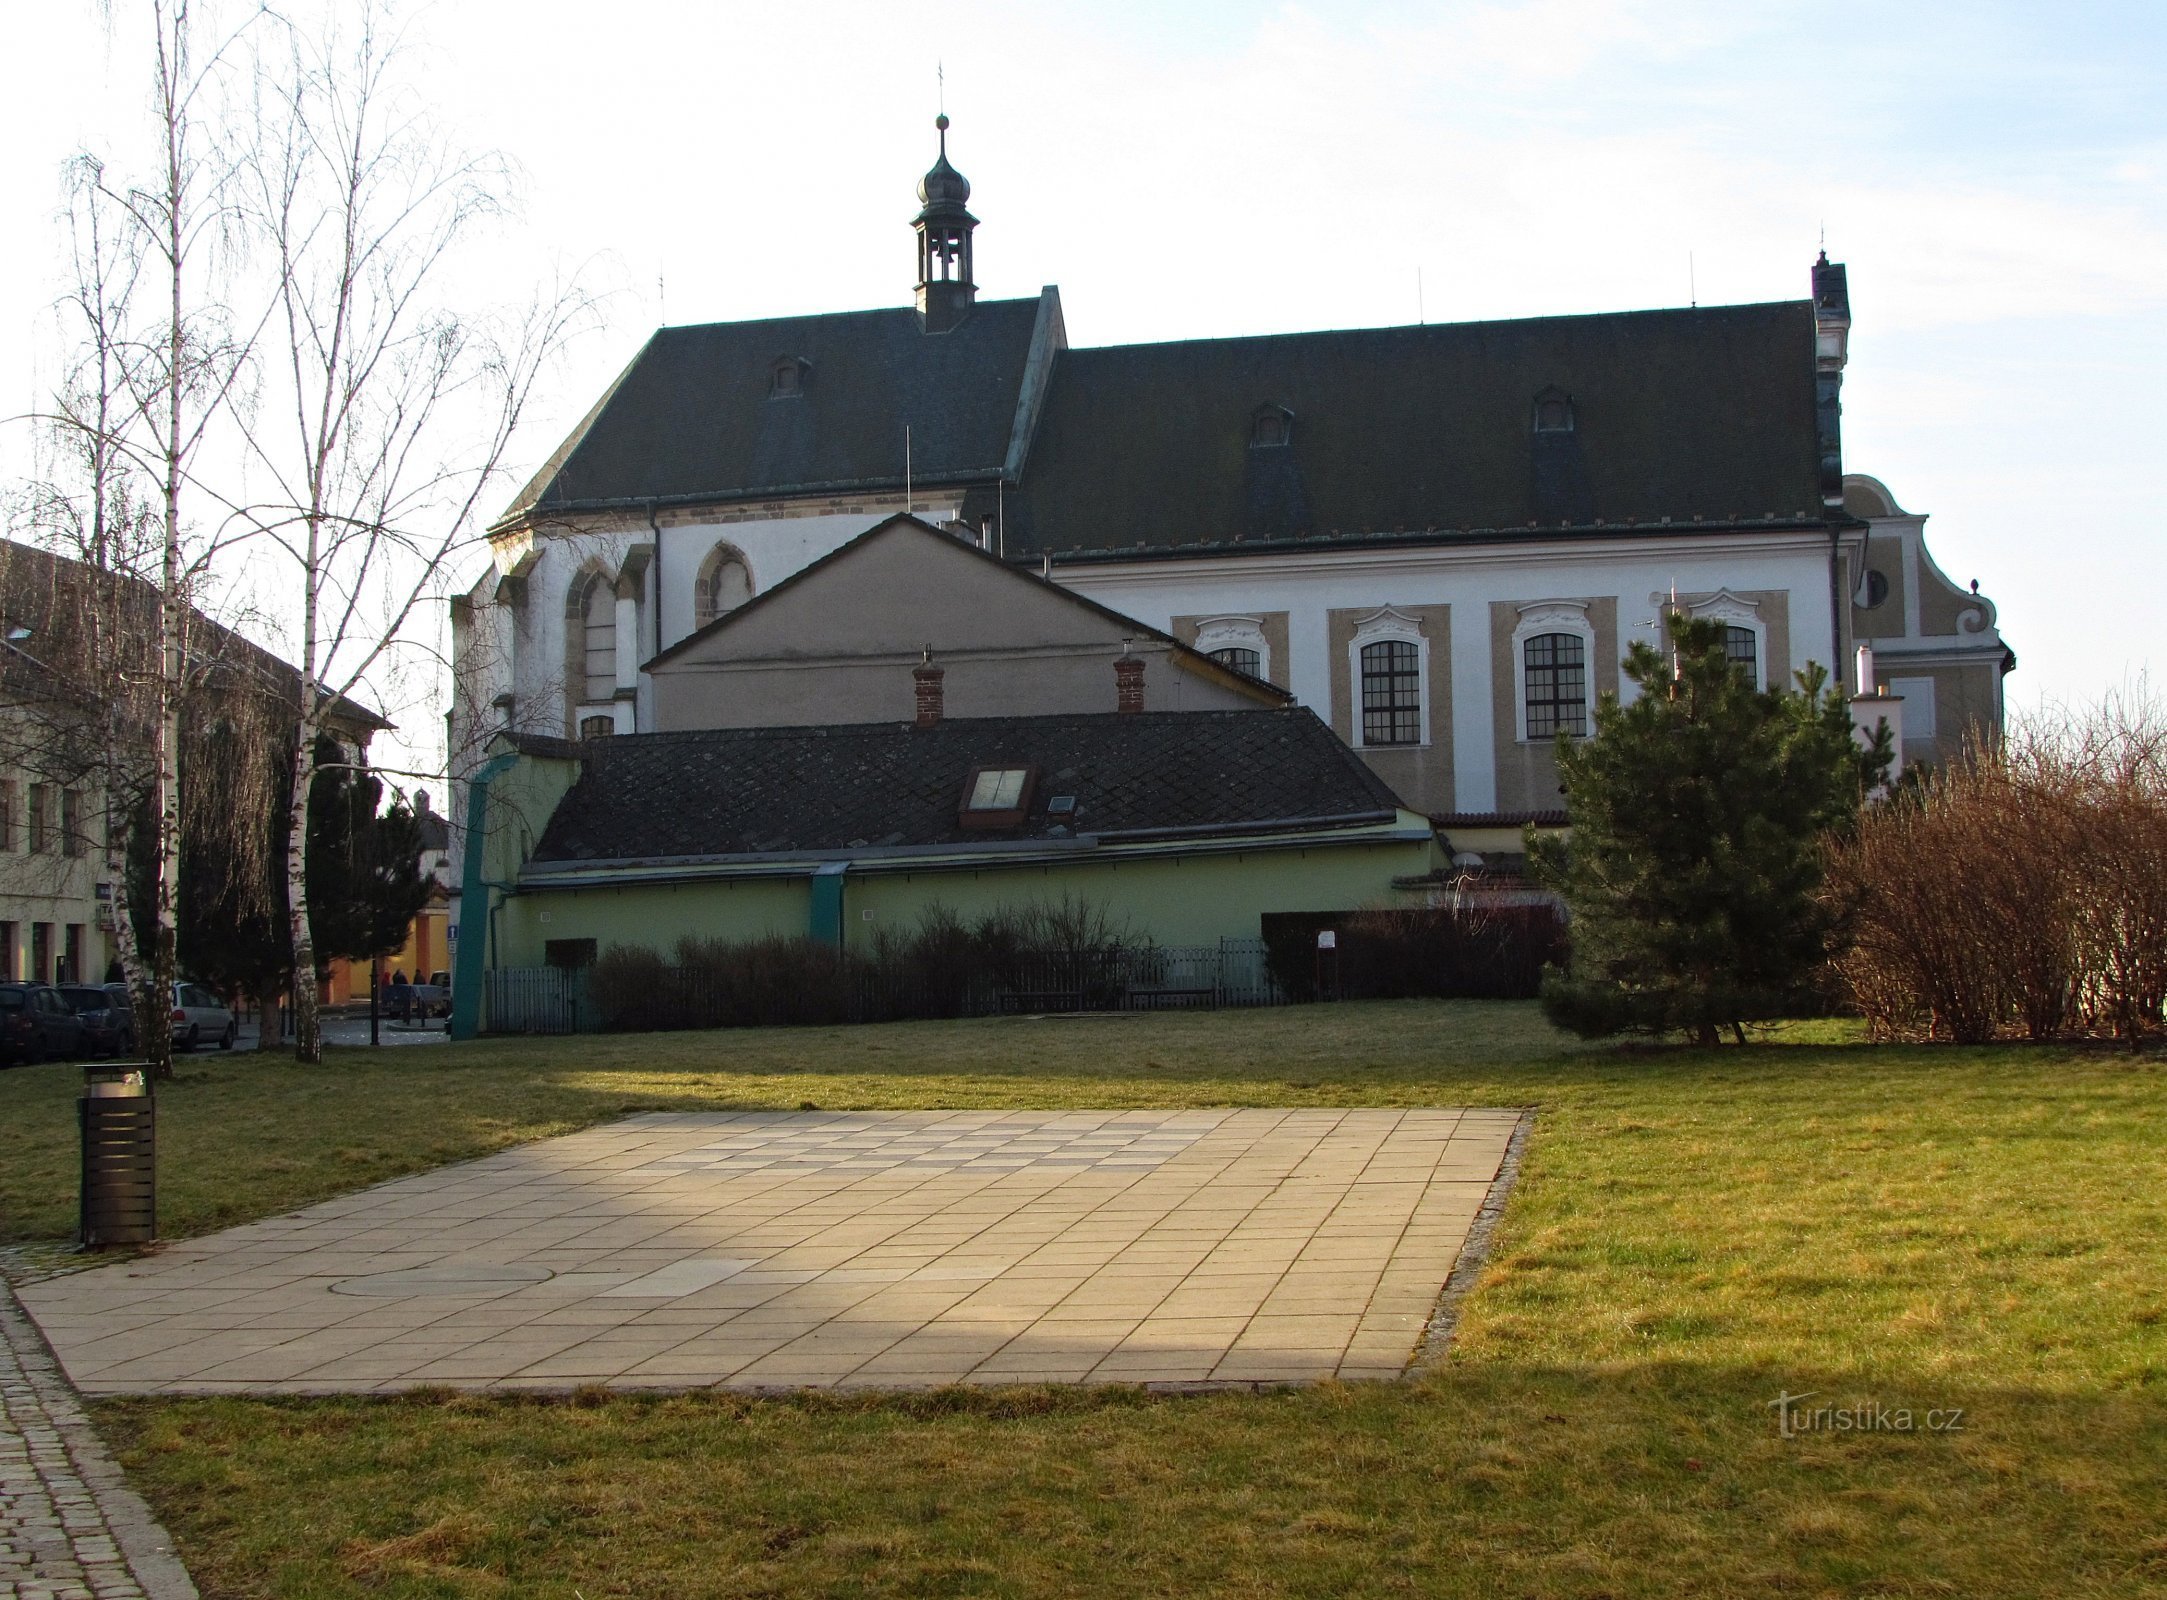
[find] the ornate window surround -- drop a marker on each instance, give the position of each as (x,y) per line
(1550,616)
(1236,633)
(1385,623)
(1738,612)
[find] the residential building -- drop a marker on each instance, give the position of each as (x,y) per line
(58,894)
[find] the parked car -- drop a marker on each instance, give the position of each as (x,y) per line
(425,1000)
(36,1025)
(107,1016)
(198,1015)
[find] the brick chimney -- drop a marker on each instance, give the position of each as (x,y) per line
(926,678)
(1129,683)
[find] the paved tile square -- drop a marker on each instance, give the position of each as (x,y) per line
(853,1249)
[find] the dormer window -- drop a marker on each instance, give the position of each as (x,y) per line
(1270,426)
(787,377)
(1553,412)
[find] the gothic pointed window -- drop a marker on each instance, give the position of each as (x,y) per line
(724,584)
(590,624)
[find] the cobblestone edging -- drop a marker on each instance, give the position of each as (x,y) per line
(70,1527)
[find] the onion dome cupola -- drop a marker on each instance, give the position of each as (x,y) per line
(945,286)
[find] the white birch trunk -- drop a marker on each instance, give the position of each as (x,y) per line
(308,1042)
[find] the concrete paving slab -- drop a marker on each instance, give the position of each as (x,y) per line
(821,1249)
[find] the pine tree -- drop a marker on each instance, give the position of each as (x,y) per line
(1693,873)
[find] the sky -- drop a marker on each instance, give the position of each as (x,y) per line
(1994,175)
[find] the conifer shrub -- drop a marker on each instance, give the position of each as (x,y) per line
(1694,873)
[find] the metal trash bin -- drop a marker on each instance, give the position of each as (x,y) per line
(118,1117)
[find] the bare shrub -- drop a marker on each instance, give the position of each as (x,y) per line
(2020,891)
(941,967)
(1470,952)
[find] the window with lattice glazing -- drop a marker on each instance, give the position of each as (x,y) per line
(1557,685)
(1391,693)
(1742,647)
(1240,659)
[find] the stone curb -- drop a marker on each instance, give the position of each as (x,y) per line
(1474,1253)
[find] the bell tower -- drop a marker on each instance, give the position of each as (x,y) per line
(945,288)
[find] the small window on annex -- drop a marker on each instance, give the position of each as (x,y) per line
(1742,647)
(569,952)
(1557,685)
(597,727)
(1391,692)
(1241,659)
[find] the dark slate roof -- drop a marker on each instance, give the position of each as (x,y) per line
(1678,414)
(887,785)
(693,416)
(53,596)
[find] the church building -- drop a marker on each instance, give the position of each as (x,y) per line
(1440,539)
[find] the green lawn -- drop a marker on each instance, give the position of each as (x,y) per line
(1694,1233)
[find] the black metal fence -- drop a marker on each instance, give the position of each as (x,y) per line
(1234,972)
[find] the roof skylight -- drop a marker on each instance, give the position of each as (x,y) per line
(997,789)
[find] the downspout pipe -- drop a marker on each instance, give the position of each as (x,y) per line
(1835,606)
(655,528)
(476,893)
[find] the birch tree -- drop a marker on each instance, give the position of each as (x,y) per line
(155,372)
(388,415)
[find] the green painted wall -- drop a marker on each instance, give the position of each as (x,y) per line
(520,804)
(651,916)
(1179,900)
(1188,900)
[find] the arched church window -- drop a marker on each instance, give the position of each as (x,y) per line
(592,656)
(597,727)
(724,584)
(1241,660)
